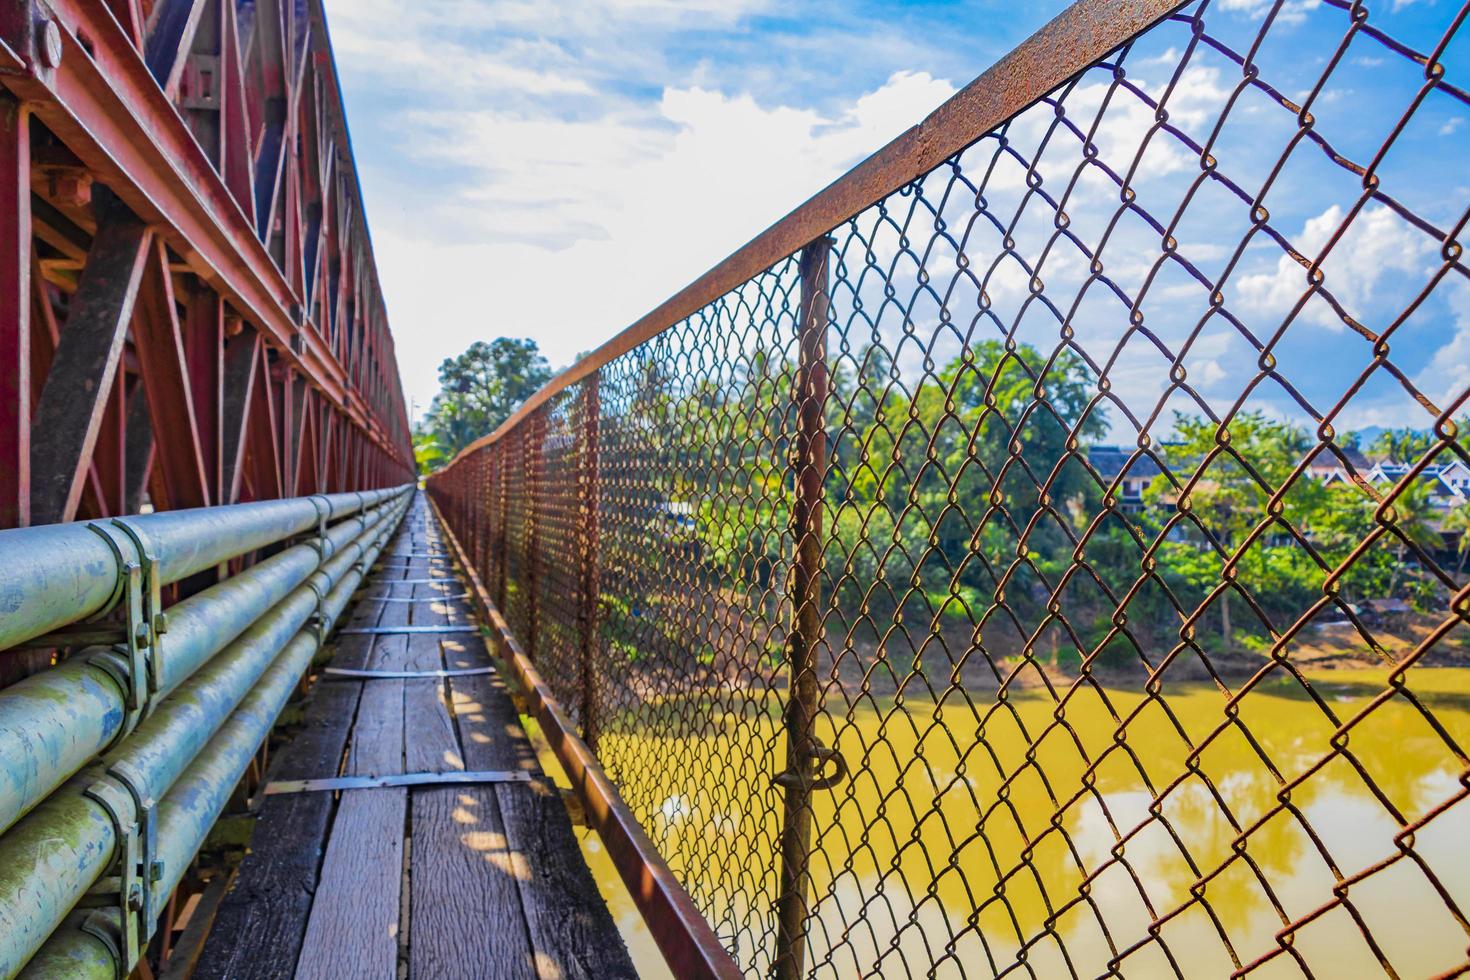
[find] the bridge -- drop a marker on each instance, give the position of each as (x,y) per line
(975,574)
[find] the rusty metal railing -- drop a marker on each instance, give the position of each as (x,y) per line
(997,567)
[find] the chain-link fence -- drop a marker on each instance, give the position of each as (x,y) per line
(1060,567)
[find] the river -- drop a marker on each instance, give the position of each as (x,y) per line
(928,857)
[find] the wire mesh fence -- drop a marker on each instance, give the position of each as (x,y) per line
(1059,569)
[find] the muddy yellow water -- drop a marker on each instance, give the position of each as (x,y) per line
(973,838)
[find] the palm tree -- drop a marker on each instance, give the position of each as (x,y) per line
(1459,520)
(1402,445)
(1414,511)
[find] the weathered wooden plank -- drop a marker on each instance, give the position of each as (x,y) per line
(353,929)
(570,926)
(377,736)
(466,907)
(430,741)
(570,929)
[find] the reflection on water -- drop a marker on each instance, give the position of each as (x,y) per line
(973,838)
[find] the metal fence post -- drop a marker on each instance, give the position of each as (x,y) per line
(482,502)
(587,498)
(809,464)
(533,531)
(479,476)
(502,529)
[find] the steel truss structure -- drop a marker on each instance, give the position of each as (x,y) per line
(190,314)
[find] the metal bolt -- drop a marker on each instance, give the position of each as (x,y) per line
(140,634)
(135,897)
(155,871)
(70,185)
(48,43)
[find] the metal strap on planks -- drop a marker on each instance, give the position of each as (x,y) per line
(365,674)
(394,630)
(453,778)
(413,598)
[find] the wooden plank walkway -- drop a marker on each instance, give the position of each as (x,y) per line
(425,882)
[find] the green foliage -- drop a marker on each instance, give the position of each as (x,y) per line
(1457,521)
(932,496)
(428,454)
(967,501)
(984,456)
(481,388)
(1401,445)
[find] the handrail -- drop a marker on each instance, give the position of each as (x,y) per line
(1069,43)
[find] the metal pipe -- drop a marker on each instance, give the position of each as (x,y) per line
(191,807)
(57,574)
(163,745)
(53,722)
(50,859)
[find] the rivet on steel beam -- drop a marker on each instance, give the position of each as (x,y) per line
(70,185)
(48,43)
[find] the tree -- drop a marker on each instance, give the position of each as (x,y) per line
(1414,521)
(1458,521)
(945,484)
(1227,503)
(482,387)
(427,453)
(1401,445)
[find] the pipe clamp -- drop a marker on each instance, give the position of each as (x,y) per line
(129,889)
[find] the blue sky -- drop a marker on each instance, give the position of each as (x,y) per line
(555,171)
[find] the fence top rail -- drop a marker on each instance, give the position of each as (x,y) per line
(1070,43)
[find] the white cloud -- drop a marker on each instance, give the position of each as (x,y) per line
(571,230)
(1447,375)
(1378,245)
(539,188)
(1291,12)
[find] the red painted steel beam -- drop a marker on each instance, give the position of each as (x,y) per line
(160,345)
(237,385)
(204,354)
(101,100)
(75,394)
(15,307)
